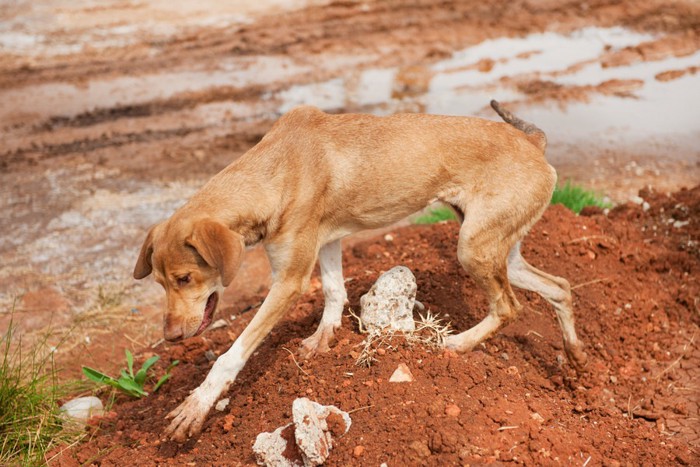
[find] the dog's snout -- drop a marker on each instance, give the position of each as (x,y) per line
(172,334)
(172,329)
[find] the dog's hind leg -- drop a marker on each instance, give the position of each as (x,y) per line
(556,291)
(482,252)
(330,260)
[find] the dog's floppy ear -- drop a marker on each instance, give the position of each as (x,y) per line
(219,246)
(143,264)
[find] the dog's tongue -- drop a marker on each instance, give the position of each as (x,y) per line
(208,312)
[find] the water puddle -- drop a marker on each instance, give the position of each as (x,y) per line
(63,99)
(465,83)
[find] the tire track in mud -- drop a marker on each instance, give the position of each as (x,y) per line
(178,102)
(37,153)
(428,28)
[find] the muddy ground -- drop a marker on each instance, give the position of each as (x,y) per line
(114,113)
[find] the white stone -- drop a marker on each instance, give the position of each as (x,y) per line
(402,374)
(222,404)
(389,302)
(219,323)
(312,437)
(311,429)
(269,449)
(82,409)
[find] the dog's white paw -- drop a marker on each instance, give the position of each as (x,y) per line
(188,418)
(457,343)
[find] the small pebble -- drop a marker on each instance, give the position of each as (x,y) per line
(221,405)
(452,410)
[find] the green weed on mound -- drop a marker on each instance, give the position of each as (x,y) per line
(30,422)
(575,197)
(435,215)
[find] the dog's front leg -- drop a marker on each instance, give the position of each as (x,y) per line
(189,416)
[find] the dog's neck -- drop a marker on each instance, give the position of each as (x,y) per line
(246,203)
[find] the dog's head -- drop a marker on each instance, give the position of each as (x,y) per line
(193,261)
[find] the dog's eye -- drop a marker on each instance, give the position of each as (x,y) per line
(184,280)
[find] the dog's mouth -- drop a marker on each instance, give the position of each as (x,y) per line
(209,309)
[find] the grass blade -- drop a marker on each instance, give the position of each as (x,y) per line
(99,377)
(129,362)
(140,377)
(130,387)
(160,382)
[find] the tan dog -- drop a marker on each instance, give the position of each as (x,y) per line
(315,178)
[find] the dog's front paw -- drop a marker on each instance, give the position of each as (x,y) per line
(188,418)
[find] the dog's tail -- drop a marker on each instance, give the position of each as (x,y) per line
(534,134)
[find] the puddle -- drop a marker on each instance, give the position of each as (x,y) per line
(467,81)
(69,100)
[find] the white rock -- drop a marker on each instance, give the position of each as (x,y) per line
(219,323)
(269,449)
(389,302)
(222,404)
(402,374)
(311,436)
(82,409)
(311,429)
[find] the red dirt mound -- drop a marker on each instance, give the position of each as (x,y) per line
(634,275)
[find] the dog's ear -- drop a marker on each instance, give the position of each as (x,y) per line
(143,264)
(219,246)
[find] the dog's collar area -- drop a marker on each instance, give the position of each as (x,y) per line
(209,309)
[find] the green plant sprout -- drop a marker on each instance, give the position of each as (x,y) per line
(128,382)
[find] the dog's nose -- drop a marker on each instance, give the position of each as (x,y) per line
(172,334)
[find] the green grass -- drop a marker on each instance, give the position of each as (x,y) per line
(30,422)
(576,197)
(435,215)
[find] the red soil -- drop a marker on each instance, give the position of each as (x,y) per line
(635,283)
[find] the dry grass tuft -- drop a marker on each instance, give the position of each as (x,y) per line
(430,332)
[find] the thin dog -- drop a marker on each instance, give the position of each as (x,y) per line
(316,178)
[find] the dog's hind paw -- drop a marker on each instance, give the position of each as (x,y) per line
(188,418)
(318,342)
(577,357)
